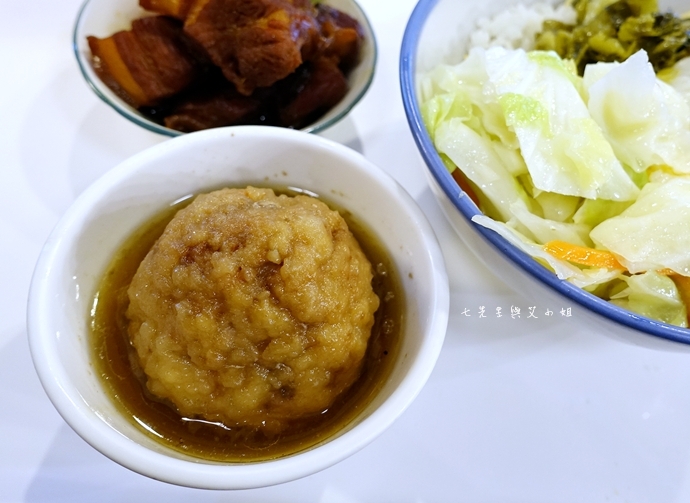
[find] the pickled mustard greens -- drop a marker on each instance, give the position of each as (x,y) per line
(590,174)
(609,30)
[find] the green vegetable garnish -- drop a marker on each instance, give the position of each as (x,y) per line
(608,31)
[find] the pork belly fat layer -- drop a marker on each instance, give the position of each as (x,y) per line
(146,64)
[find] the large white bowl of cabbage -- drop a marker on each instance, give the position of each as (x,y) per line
(557,137)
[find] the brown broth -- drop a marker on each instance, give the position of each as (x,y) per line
(116,361)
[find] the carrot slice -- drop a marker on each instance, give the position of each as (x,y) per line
(464,184)
(583,255)
(683,285)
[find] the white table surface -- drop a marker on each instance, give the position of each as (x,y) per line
(525,410)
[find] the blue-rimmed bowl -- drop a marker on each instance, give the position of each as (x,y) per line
(102,18)
(437,32)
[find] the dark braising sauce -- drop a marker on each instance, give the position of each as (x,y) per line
(117,364)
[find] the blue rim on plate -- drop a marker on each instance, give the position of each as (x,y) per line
(466,207)
(133,115)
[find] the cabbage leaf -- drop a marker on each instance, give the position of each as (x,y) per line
(654,232)
(653,295)
(564,149)
(646,121)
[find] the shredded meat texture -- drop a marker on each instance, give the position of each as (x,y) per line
(324,86)
(189,66)
(252,309)
(342,36)
(224,106)
(254,42)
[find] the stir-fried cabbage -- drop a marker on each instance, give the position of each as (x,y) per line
(654,232)
(590,176)
(645,119)
(678,77)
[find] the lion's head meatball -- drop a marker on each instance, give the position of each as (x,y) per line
(252,309)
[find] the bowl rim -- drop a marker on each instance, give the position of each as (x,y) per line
(128,112)
(75,410)
(457,197)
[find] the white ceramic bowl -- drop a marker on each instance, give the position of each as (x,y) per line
(102,18)
(86,238)
(437,32)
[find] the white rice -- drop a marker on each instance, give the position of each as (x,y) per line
(517,26)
